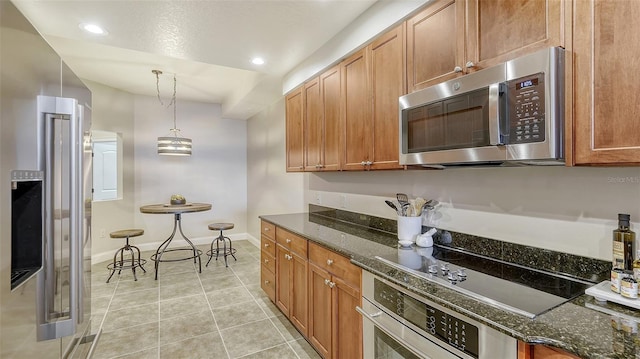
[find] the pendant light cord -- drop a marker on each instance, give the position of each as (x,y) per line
(173,98)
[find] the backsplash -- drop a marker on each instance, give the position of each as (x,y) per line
(590,269)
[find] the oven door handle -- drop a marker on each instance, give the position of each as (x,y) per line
(371,318)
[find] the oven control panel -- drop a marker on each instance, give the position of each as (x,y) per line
(447,328)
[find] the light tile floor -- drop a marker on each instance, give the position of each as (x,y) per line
(219,313)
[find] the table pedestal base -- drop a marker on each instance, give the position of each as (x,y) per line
(196,253)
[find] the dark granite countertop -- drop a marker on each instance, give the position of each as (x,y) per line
(574,326)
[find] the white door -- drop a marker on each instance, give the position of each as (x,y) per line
(105,170)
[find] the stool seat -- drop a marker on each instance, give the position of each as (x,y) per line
(220,226)
(126,233)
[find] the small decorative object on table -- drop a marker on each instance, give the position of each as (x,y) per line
(177,199)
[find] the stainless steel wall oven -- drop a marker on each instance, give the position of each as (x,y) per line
(400,324)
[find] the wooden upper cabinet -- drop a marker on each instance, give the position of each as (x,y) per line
(606,82)
(435,44)
(294,130)
(499,31)
(356,117)
(313,126)
(388,73)
(330,92)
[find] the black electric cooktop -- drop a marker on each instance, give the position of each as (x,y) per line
(518,289)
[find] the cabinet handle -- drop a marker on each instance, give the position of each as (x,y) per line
(332,284)
(363,163)
(266,229)
(326,282)
(266,261)
(457,69)
(329,262)
(287,240)
(266,282)
(470,64)
(368,163)
(288,256)
(266,245)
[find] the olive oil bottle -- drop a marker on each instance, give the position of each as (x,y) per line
(623,244)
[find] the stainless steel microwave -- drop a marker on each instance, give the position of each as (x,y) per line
(511,113)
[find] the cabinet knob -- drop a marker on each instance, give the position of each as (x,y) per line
(266,245)
(457,69)
(289,257)
(329,262)
(470,64)
(326,282)
(266,282)
(287,240)
(332,284)
(266,229)
(368,163)
(266,260)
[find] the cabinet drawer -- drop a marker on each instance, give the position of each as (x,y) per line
(292,242)
(268,229)
(335,264)
(268,261)
(268,282)
(268,245)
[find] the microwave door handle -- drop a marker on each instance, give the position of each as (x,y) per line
(495,137)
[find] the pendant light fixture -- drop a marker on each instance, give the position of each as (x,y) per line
(173,144)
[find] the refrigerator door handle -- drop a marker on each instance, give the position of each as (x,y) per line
(61,126)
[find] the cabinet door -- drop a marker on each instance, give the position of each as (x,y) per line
(330,92)
(299,290)
(347,322)
(502,30)
(313,129)
(294,129)
(435,44)
(357,127)
(283,279)
(320,310)
(388,83)
(606,46)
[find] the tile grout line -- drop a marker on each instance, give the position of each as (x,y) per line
(267,315)
(224,345)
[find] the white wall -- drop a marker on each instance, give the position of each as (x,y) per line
(570,210)
(215,173)
(270,189)
(113,110)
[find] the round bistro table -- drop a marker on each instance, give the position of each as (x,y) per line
(177,211)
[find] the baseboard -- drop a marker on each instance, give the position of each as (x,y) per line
(152,246)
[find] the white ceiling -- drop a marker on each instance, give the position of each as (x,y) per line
(208,44)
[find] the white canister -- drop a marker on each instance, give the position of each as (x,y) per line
(409,228)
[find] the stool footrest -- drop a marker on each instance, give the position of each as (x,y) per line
(127,264)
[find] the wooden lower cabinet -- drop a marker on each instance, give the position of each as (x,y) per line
(538,351)
(291,287)
(320,304)
(317,290)
(335,327)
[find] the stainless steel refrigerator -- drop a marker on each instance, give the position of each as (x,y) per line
(45,198)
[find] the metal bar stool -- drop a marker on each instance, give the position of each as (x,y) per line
(119,265)
(221,238)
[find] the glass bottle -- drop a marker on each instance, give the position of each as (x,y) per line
(623,244)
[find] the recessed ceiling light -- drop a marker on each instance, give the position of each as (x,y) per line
(93,28)
(258,61)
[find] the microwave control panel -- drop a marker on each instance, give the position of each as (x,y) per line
(526,109)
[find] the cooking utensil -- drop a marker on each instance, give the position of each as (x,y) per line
(392,205)
(403,199)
